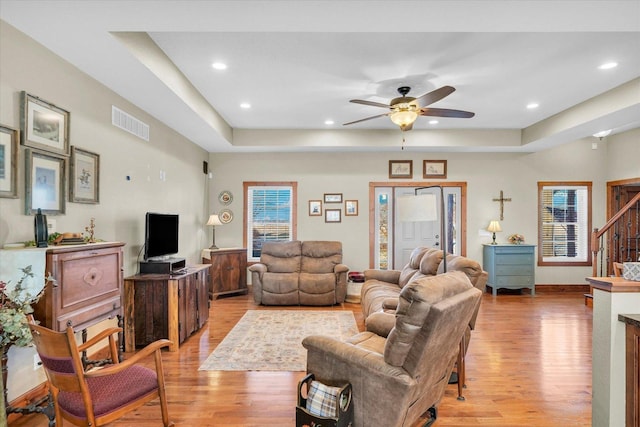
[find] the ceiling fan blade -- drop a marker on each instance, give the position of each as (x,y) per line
(371,103)
(445,112)
(364,120)
(436,95)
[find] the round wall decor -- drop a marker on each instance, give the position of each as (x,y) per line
(225,197)
(226,216)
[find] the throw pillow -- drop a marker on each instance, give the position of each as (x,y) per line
(322,399)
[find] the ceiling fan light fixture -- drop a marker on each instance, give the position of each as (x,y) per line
(404,114)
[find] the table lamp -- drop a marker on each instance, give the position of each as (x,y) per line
(213,221)
(493,227)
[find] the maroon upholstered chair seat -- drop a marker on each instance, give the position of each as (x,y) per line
(111,392)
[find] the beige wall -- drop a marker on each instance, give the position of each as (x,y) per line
(25,65)
(485,173)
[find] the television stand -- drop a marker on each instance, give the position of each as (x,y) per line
(165,266)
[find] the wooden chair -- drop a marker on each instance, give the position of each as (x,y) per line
(98,396)
(617,269)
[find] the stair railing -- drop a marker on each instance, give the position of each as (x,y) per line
(597,235)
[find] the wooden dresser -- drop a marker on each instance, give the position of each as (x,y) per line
(509,266)
(87,287)
(228,271)
(165,306)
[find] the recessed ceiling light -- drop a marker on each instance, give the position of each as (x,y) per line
(219,66)
(329,122)
(608,65)
(433,122)
(533,105)
(602,133)
(245,105)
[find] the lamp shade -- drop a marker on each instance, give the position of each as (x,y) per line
(214,220)
(421,207)
(494,226)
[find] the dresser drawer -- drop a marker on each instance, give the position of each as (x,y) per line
(514,249)
(514,270)
(513,259)
(85,317)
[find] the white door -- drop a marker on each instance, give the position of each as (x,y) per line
(409,235)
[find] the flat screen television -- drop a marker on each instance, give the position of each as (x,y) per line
(161,236)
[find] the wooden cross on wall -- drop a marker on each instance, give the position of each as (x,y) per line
(502,199)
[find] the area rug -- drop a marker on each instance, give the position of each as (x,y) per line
(271,340)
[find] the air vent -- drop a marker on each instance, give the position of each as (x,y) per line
(126,121)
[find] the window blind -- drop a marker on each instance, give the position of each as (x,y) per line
(270,216)
(564,213)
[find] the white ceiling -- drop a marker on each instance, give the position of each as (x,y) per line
(299,63)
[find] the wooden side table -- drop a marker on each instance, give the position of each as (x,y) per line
(228,271)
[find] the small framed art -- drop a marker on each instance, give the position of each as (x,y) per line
(315,207)
(333,197)
(434,169)
(400,168)
(351,208)
(8,162)
(332,215)
(45,183)
(84,176)
(44,126)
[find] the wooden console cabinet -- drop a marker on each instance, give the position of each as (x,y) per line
(165,306)
(228,271)
(87,287)
(509,266)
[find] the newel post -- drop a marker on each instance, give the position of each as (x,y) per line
(595,248)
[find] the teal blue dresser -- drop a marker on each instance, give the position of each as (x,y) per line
(510,266)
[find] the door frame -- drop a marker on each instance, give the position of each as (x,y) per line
(613,187)
(372,209)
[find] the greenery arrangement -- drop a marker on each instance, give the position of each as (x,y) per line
(15,305)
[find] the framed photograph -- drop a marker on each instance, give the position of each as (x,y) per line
(8,162)
(315,207)
(400,168)
(332,215)
(43,125)
(45,183)
(434,169)
(333,197)
(84,176)
(351,208)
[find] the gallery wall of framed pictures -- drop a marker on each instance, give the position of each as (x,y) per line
(55,171)
(330,209)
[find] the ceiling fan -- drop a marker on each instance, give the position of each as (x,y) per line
(404,110)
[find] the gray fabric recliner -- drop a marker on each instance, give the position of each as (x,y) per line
(305,273)
(398,378)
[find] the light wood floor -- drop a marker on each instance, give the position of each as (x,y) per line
(529,364)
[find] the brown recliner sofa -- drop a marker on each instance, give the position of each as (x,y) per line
(300,273)
(380,291)
(398,378)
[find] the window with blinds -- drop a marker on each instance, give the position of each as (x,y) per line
(564,223)
(270,215)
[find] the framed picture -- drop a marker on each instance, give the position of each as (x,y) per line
(315,207)
(332,215)
(351,208)
(45,184)
(43,125)
(333,197)
(8,162)
(400,168)
(434,169)
(84,176)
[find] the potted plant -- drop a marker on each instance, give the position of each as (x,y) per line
(15,305)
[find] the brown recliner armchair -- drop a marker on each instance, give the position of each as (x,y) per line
(397,379)
(296,272)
